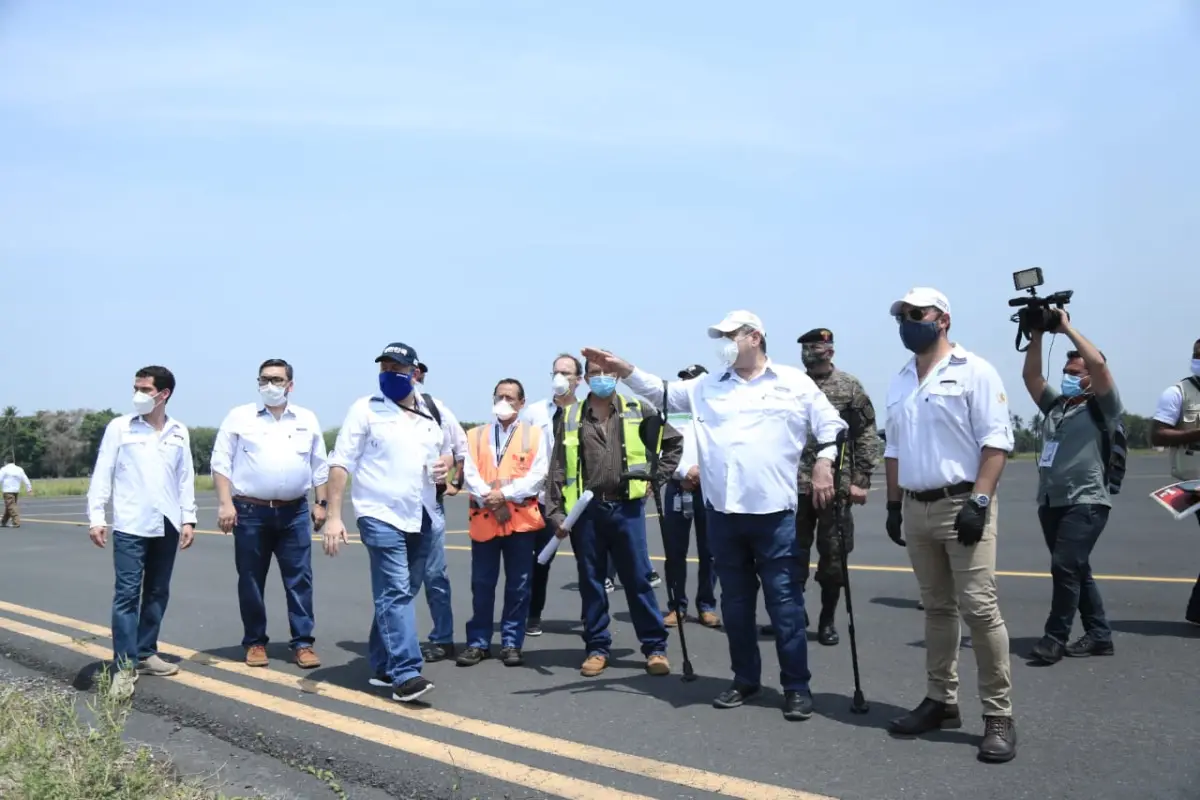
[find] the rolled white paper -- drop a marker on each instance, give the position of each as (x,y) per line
(552,546)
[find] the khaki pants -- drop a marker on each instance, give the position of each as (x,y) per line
(958,580)
(10,509)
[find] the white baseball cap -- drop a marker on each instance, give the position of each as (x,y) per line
(922,297)
(735,320)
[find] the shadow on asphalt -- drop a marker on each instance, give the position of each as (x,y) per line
(276,651)
(895,602)
(1154,627)
(670,689)
(836,707)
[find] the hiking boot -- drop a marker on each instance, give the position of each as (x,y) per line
(657,664)
(473,655)
(412,689)
(511,656)
(735,695)
(156,667)
(436,651)
(1047,651)
(533,627)
(1086,646)
(797,706)
(826,633)
(999,740)
(306,658)
(593,665)
(256,655)
(931,715)
(671,620)
(709,619)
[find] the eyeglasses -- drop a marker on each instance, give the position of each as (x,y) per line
(276,381)
(917,314)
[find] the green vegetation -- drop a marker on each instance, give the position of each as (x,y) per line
(48,752)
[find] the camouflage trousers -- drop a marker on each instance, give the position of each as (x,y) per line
(820,525)
(10,509)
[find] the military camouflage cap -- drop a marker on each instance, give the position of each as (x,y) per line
(817,336)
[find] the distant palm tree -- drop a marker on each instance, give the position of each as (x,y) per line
(10,426)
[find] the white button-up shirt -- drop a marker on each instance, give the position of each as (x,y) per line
(387,449)
(267,458)
(522,488)
(936,428)
(686,426)
(749,433)
(11,478)
(147,474)
(541,415)
(454,429)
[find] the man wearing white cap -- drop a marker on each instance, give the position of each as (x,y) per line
(752,419)
(948,439)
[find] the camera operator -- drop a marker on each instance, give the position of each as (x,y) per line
(1073,496)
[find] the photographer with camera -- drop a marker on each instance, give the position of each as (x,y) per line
(1073,485)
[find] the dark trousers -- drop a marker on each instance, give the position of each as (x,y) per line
(541,572)
(748,548)
(1193,606)
(143,567)
(1071,533)
(616,532)
(518,558)
(678,530)
(820,525)
(286,535)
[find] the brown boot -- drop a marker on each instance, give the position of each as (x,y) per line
(709,619)
(671,620)
(594,665)
(256,655)
(306,658)
(657,664)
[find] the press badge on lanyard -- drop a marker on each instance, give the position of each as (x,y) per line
(1048,452)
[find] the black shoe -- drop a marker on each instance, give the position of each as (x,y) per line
(434,651)
(472,656)
(380,680)
(828,635)
(1047,651)
(533,627)
(999,740)
(511,656)
(1086,646)
(797,706)
(929,716)
(412,689)
(655,580)
(735,695)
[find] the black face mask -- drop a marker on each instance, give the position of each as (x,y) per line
(813,357)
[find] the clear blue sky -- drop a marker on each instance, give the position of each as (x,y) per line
(208,185)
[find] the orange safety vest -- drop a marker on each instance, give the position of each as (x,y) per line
(515,463)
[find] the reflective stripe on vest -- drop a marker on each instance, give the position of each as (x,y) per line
(1185,460)
(634,459)
(518,457)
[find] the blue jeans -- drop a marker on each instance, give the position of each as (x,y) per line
(286,534)
(747,548)
(397,568)
(677,528)
(437,583)
(616,531)
(517,552)
(1071,533)
(143,567)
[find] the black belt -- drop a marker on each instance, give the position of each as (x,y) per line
(254,501)
(929,495)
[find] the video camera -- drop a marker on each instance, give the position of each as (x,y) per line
(1036,313)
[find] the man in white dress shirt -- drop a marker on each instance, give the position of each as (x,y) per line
(948,440)
(397,453)
(752,419)
(266,458)
(145,468)
(11,479)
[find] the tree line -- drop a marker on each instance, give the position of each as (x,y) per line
(64,444)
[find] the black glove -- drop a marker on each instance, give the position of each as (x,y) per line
(895,522)
(969,523)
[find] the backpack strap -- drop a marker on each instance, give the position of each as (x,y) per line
(1195,382)
(433,409)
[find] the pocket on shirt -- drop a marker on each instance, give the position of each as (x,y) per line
(951,399)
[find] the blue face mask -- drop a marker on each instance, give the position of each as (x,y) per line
(395,386)
(918,336)
(1072,386)
(602,385)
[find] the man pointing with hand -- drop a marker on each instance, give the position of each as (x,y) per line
(752,420)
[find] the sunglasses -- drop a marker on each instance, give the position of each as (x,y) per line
(916,314)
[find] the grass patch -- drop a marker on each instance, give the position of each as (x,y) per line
(47,751)
(78,487)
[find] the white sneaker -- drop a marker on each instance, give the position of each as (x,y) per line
(121,688)
(156,667)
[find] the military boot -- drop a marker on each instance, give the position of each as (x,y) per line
(826,633)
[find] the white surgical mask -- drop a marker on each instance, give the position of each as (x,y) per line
(727,351)
(503,409)
(1196,366)
(561,384)
(273,395)
(143,403)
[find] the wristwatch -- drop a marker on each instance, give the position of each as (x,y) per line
(323,503)
(981,500)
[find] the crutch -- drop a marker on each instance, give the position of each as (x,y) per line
(650,431)
(859,704)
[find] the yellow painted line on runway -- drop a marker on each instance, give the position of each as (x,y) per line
(812,565)
(539,780)
(696,779)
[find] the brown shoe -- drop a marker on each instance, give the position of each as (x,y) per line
(256,655)
(306,658)
(671,620)
(709,619)
(593,666)
(657,664)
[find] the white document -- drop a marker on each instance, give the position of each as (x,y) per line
(552,546)
(1048,452)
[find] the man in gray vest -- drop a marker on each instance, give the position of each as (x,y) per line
(1073,495)
(1176,426)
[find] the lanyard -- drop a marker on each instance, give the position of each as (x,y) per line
(499,451)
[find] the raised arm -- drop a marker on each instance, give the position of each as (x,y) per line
(644,384)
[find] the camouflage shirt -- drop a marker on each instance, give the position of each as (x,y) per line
(863,449)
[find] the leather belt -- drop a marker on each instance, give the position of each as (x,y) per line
(254,501)
(930,495)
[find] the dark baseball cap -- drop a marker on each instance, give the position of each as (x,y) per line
(400,353)
(421,366)
(817,336)
(694,371)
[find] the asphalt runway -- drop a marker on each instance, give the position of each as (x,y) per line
(1090,728)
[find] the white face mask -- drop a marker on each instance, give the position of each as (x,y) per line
(561,385)
(503,409)
(727,351)
(272,395)
(143,403)
(1196,366)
